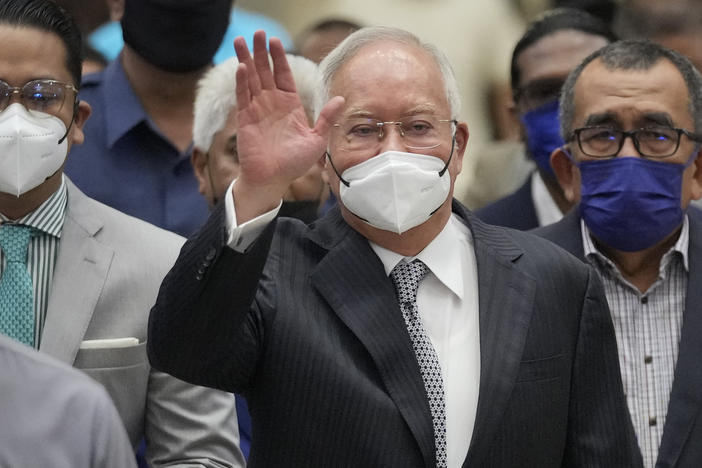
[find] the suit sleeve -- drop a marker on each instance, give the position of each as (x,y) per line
(204,328)
(189,425)
(599,428)
(110,444)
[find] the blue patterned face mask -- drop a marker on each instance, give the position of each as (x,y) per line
(631,203)
(543,134)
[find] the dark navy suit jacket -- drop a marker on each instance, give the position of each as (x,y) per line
(307,325)
(516,210)
(681,445)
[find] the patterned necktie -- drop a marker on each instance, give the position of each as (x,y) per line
(406,277)
(16,293)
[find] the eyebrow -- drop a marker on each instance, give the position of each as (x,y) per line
(594,120)
(420,109)
(659,118)
(609,118)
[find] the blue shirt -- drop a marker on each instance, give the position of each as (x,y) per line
(128,164)
(107,39)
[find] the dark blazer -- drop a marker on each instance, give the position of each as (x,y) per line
(306,324)
(516,210)
(681,445)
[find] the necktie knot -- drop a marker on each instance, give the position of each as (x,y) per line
(14,240)
(406,277)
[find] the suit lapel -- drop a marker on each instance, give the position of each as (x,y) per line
(566,233)
(686,395)
(506,300)
(80,273)
(352,280)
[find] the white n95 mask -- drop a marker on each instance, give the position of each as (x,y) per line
(32,148)
(395,191)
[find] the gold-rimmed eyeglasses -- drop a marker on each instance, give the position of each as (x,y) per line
(38,95)
(363,133)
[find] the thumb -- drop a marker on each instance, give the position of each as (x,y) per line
(328,115)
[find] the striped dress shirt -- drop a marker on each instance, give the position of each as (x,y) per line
(47,221)
(647,326)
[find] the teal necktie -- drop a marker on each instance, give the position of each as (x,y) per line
(16,293)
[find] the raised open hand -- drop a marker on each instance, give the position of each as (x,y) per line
(274,140)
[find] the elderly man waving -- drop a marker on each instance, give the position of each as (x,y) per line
(398,330)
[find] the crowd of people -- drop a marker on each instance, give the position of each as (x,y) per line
(364,246)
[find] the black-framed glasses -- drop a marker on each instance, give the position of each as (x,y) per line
(650,142)
(38,95)
(417,132)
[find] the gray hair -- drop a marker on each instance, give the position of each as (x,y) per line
(350,46)
(216,96)
(633,54)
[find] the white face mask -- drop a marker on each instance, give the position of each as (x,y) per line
(30,151)
(395,191)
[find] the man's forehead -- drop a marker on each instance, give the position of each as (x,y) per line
(660,88)
(387,58)
(557,54)
(387,68)
(31,53)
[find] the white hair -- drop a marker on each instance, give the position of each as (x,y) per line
(350,46)
(216,95)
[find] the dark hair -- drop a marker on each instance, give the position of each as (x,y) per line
(552,21)
(633,54)
(47,16)
(603,9)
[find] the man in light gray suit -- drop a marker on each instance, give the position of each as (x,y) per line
(77,278)
(38,435)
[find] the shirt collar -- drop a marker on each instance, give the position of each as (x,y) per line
(123,110)
(440,255)
(681,246)
(49,216)
(547,212)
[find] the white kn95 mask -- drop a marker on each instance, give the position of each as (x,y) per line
(395,191)
(30,151)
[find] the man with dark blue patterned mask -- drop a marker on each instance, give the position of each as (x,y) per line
(550,48)
(631,115)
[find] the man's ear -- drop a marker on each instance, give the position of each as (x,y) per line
(325,167)
(567,174)
(461,141)
(198,159)
(81,114)
(696,182)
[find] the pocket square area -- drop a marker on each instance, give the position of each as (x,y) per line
(109,343)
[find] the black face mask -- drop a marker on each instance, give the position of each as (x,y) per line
(175,35)
(305,210)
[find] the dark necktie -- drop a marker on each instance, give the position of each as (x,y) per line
(16,292)
(406,277)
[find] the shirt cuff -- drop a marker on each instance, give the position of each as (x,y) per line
(241,237)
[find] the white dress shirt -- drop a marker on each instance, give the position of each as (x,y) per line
(447,300)
(547,212)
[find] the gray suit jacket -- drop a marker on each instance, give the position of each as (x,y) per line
(74,425)
(106,278)
(307,325)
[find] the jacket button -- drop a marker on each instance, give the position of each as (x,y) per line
(211,254)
